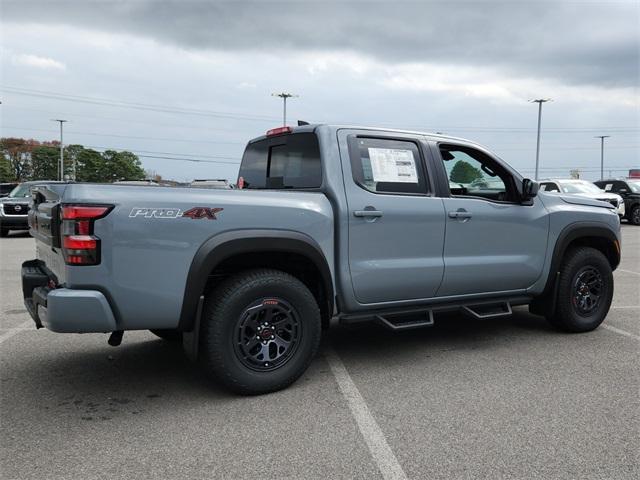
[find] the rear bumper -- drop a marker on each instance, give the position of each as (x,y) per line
(63,310)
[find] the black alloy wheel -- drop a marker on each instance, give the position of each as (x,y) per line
(268,333)
(587,291)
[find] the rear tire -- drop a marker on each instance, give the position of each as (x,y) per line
(585,291)
(4,232)
(634,215)
(259,332)
(168,334)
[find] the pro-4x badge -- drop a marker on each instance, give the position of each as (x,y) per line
(194,213)
(202,212)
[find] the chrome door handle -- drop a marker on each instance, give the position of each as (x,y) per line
(461,214)
(367,213)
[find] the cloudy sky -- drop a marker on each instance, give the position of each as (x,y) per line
(186,84)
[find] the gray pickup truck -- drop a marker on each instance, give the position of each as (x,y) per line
(357,224)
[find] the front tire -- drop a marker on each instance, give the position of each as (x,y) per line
(260,330)
(4,232)
(585,291)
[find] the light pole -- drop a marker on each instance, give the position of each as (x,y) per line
(284,96)
(61,149)
(539,101)
(602,137)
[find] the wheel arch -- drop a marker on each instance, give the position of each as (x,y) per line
(250,245)
(595,235)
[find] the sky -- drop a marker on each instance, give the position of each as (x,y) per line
(186,84)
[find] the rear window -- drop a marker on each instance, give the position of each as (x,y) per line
(287,161)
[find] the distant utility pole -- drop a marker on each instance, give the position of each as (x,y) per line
(61,149)
(284,97)
(602,137)
(539,101)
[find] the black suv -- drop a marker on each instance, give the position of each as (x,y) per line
(15,206)
(629,190)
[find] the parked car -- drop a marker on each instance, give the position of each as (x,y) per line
(348,222)
(14,207)
(584,189)
(5,188)
(629,190)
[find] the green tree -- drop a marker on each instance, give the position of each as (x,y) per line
(17,151)
(464,172)
(71,153)
(44,163)
(121,166)
(89,165)
(6,173)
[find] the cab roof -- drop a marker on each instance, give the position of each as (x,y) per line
(310,128)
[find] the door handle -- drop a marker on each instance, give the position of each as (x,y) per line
(367,213)
(460,214)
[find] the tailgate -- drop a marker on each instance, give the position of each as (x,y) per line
(44,226)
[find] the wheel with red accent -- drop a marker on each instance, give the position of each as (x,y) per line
(259,331)
(585,291)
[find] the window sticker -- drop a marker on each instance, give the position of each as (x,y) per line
(608,187)
(393,165)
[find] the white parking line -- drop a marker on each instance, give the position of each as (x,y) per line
(626,307)
(627,271)
(621,332)
(13,331)
(378,447)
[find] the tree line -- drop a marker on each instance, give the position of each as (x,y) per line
(27,159)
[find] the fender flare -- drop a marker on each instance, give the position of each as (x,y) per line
(573,232)
(225,245)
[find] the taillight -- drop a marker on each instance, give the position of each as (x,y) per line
(79,245)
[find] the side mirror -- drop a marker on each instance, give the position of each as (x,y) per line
(529,189)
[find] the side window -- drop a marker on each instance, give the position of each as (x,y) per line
(617,186)
(383,165)
(474,174)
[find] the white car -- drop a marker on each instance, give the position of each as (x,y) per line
(584,189)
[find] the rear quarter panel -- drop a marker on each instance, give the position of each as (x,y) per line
(145,261)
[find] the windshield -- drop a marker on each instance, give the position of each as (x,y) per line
(21,191)
(634,186)
(581,187)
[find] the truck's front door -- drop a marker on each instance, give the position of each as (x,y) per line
(396,224)
(493,241)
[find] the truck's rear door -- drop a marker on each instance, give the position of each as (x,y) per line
(396,225)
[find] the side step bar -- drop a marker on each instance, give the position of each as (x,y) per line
(424,317)
(406,322)
(488,310)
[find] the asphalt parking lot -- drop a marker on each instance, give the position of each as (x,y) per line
(466,399)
